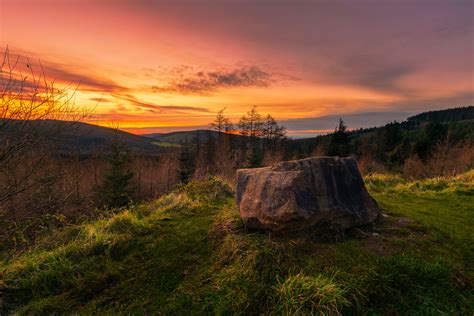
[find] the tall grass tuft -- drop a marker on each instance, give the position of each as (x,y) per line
(310,295)
(390,183)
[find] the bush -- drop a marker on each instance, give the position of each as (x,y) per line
(210,189)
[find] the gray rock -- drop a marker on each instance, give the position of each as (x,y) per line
(301,194)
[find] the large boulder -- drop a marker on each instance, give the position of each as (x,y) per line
(307,193)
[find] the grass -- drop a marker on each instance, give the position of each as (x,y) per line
(301,295)
(444,206)
(166,144)
(188,253)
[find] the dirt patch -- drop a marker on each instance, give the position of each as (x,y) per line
(404,222)
(394,235)
(381,247)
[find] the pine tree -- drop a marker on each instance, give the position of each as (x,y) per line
(254,158)
(185,163)
(392,136)
(340,142)
(430,136)
(115,190)
(210,154)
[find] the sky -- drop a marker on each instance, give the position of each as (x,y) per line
(160,66)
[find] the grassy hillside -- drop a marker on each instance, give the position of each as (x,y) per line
(188,253)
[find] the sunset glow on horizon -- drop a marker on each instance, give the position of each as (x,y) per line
(160,66)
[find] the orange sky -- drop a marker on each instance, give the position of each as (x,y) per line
(169,65)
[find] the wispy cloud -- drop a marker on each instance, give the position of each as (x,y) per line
(101,100)
(89,82)
(421,103)
(27,68)
(205,82)
(158,108)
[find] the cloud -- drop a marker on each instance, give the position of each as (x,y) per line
(371,71)
(205,82)
(421,104)
(404,38)
(84,82)
(24,64)
(101,100)
(160,108)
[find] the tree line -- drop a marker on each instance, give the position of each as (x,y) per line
(255,140)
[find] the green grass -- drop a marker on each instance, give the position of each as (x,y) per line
(445,207)
(188,253)
(166,144)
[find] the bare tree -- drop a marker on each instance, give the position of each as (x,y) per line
(222,124)
(30,107)
(251,124)
(272,132)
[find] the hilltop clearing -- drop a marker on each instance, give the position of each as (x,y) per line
(188,253)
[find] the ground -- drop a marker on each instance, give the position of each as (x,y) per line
(188,253)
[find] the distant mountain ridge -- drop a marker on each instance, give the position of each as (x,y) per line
(89,138)
(84,138)
(417,132)
(448,115)
(180,137)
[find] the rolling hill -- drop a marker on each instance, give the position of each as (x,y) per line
(417,130)
(84,138)
(464,115)
(180,137)
(448,115)
(89,138)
